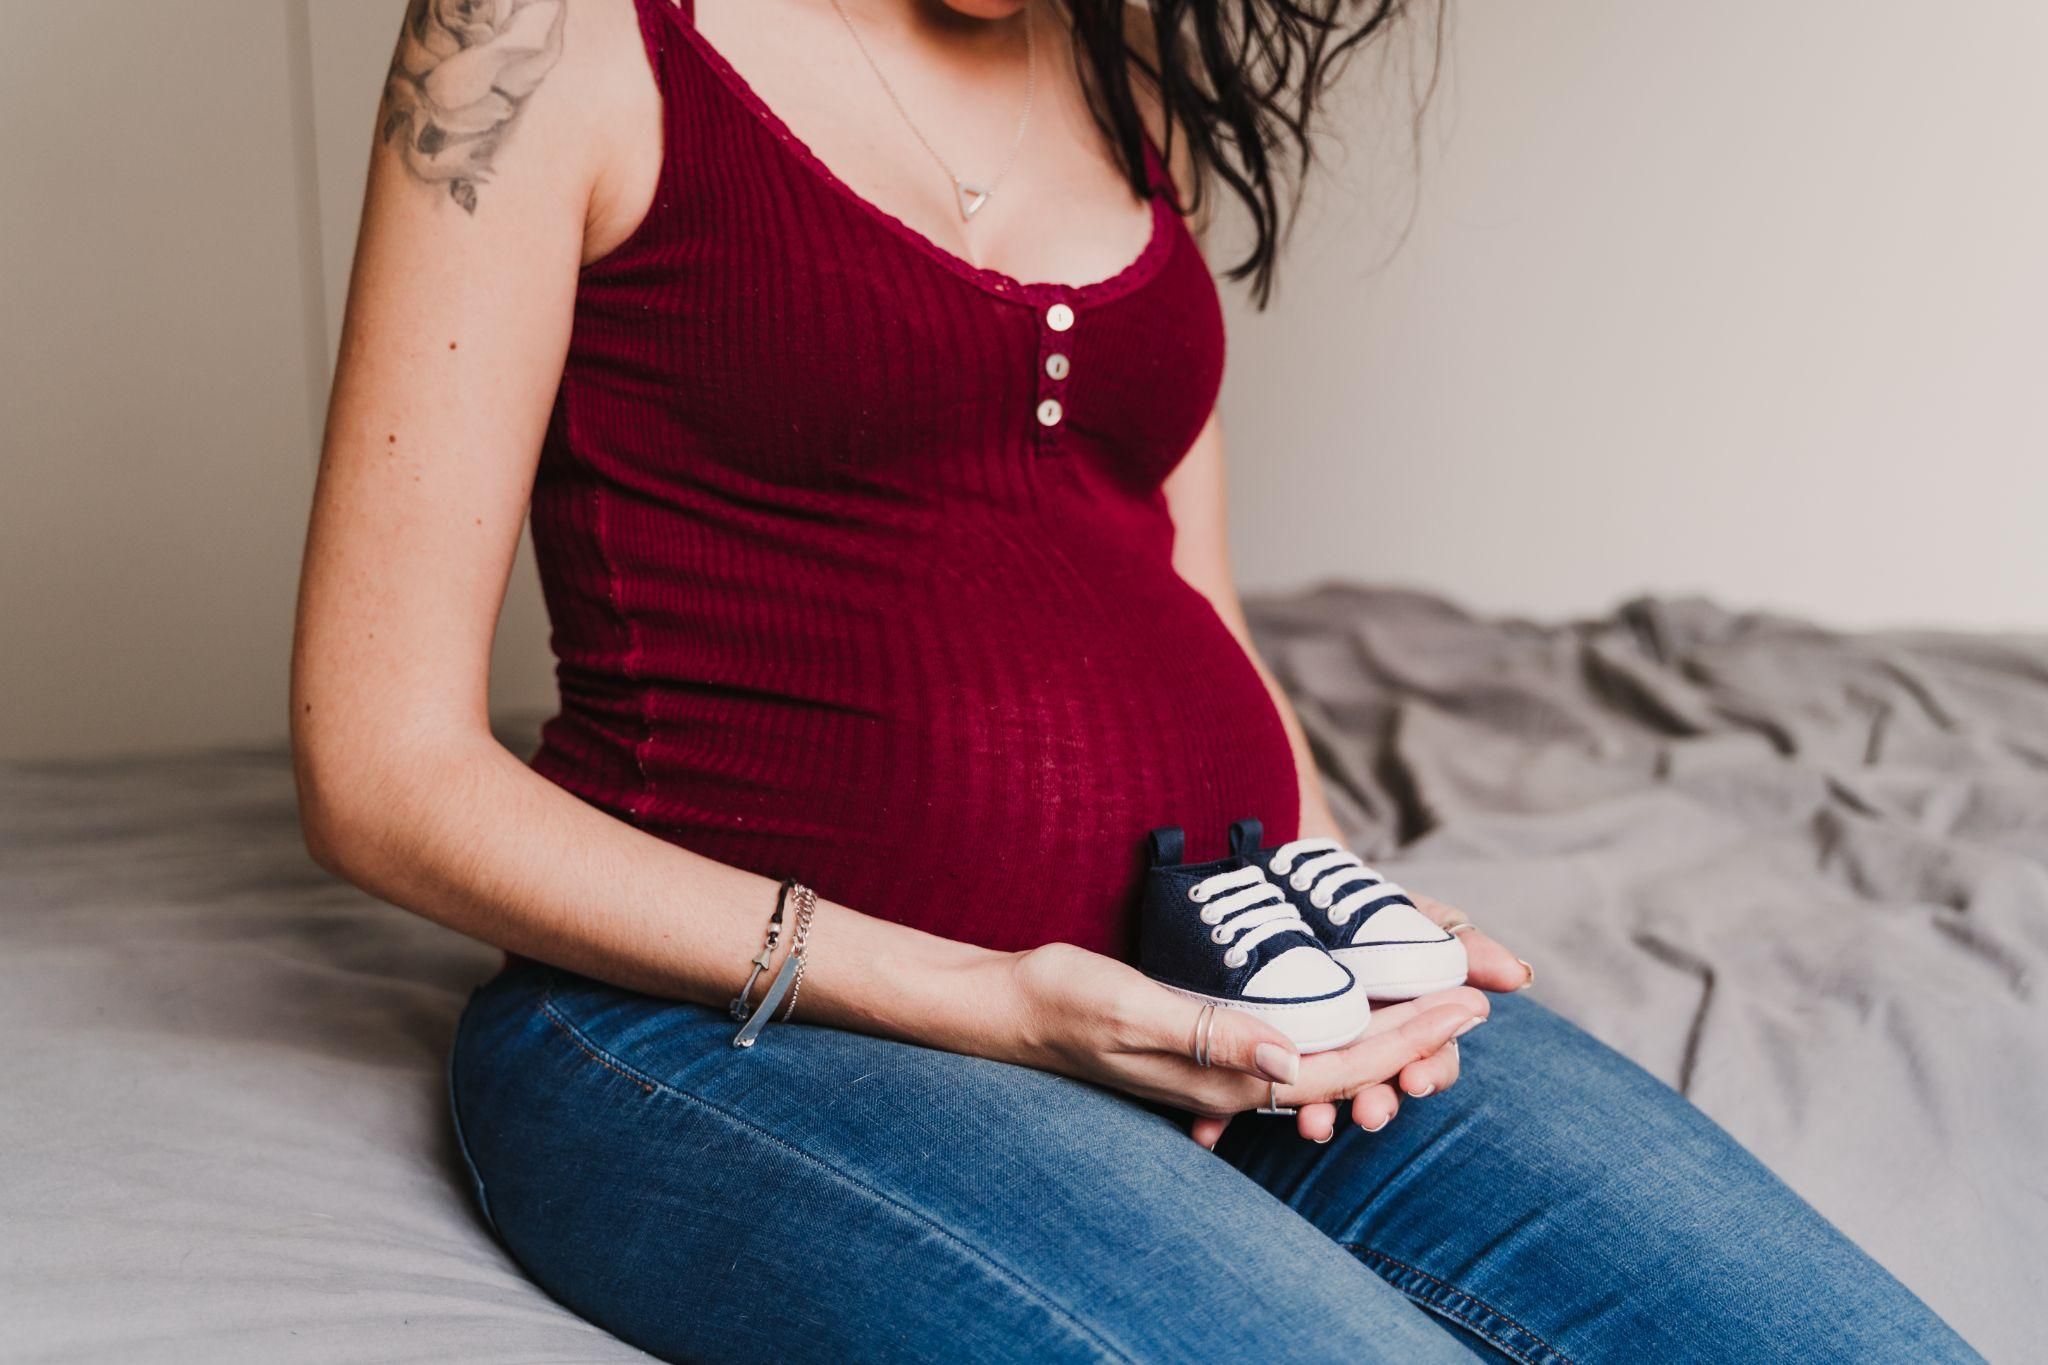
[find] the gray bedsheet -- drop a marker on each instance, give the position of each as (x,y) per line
(1802,875)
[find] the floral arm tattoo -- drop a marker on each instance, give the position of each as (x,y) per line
(462,71)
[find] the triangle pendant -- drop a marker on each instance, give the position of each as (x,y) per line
(972,197)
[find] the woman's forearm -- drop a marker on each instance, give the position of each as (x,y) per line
(466,835)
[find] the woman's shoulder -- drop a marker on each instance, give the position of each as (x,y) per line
(526,99)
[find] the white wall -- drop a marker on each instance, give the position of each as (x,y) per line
(156,373)
(1748,300)
(181,190)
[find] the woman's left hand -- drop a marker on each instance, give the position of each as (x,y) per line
(1488,966)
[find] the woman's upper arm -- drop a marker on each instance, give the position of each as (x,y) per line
(495,160)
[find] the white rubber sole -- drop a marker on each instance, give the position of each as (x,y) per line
(1392,991)
(1314,1026)
(1390,972)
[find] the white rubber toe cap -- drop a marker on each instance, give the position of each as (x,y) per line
(1410,956)
(1395,924)
(1297,974)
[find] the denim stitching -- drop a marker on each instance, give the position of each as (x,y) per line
(1447,1291)
(585,1049)
(597,1053)
(476,1179)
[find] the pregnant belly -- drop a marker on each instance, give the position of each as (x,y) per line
(990,779)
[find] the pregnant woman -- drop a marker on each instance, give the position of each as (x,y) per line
(856,362)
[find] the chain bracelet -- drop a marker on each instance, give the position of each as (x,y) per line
(807,902)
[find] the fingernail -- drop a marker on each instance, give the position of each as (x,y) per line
(1418,1094)
(1532,976)
(1276,1063)
(1325,1138)
(1474,1022)
(1382,1123)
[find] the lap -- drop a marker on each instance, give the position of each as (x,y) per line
(1562,1203)
(827,1195)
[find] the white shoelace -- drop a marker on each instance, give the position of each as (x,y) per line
(1247,909)
(1333,868)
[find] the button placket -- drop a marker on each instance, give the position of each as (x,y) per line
(1056,323)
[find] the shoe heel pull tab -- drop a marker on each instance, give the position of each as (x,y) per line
(1244,837)
(1166,845)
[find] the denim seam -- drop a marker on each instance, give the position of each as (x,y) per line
(476,1178)
(1455,1303)
(597,1053)
(590,1050)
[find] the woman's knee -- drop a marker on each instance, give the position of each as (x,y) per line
(1562,1189)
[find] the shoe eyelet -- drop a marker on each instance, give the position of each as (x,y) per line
(1233,958)
(1218,937)
(1298,881)
(1319,899)
(1210,916)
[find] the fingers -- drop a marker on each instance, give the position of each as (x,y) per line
(1437,1072)
(1492,967)
(1208,1129)
(1149,1017)
(1488,965)
(1236,1041)
(1374,1107)
(1413,1036)
(1316,1122)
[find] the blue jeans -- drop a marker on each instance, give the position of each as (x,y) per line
(827,1196)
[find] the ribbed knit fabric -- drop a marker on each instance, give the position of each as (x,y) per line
(830,600)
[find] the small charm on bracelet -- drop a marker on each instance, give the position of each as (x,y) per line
(761,960)
(783,985)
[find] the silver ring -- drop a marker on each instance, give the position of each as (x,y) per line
(1272,1104)
(1205,1032)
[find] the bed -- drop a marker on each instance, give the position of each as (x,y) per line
(1801,874)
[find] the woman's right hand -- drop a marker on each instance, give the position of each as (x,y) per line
(1097,1019)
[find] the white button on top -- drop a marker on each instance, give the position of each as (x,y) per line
(1049,412)
(1059,317)
(1056,366)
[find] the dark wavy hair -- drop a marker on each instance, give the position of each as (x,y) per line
(1241,80)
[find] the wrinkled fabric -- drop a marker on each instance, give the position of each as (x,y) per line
(1800,874)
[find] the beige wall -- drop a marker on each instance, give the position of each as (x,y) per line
(1747,300)
(181,191)
(156,372)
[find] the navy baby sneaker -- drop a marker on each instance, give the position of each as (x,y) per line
(1367,922)
(1221,932)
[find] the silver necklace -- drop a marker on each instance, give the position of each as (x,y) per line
(971,195)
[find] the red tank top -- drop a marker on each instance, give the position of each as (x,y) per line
(856,556)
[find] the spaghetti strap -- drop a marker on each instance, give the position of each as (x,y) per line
(1158,174)
(683,10)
